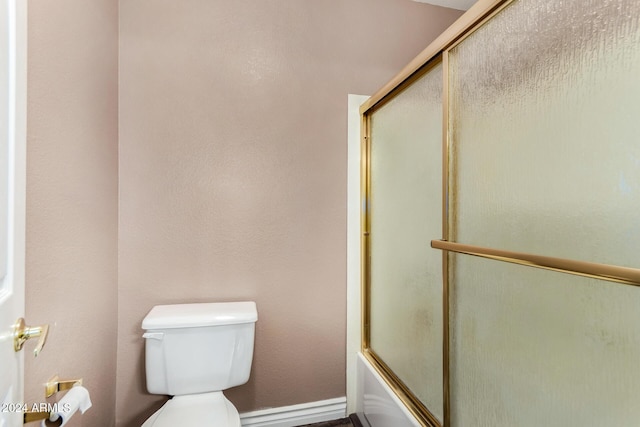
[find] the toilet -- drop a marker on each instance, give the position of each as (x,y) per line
(193,352)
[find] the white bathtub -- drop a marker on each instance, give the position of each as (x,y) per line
(376,404)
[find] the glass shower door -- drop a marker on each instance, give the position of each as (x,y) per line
(539,166)
(545,160)
(405,310)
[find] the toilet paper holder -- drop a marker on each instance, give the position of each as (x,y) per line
(55,385)
(32,416)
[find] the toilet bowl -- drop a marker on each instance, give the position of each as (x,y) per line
(206,409)
(193,352)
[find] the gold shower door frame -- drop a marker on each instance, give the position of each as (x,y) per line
(436,53)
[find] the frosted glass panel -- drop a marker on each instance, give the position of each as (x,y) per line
(546,131)
(531,347)
(406,213)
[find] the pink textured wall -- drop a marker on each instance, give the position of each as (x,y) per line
(72,199)
(233,129)
(232,180)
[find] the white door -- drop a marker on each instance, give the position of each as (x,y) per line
(12,203)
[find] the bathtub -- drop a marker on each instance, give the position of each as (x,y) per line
(376,404)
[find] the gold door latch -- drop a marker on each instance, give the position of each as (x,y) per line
(22,333)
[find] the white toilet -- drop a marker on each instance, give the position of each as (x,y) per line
(194,352)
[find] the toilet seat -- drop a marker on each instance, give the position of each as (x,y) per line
(196,410)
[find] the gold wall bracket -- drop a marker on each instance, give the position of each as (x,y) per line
(31,416)
(54,385)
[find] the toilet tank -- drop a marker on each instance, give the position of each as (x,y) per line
(198,348)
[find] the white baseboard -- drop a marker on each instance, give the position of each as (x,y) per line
(296,415)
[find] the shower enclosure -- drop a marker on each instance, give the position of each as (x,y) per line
(500,219)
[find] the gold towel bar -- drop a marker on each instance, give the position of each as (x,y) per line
(612,273)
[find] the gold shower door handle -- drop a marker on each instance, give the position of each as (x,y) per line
(22,333)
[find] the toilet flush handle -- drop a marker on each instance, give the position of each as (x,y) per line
(153,335)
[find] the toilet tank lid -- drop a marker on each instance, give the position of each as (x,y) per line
(200,314)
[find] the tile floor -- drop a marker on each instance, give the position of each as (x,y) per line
(343,422)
